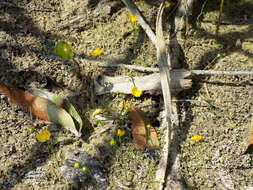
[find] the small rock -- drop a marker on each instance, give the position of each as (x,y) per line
(76,175)
(105,7)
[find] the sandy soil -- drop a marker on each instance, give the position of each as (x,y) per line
(28,32)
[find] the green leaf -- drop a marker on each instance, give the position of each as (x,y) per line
(72,111)
(60,116)
(59,101)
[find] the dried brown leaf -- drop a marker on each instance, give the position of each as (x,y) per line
(249,149)
(40,107)
(144,135)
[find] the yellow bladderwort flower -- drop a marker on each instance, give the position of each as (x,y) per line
(96,52)
(197,138)
(135,92)
(43,136)
(133,19)
(121,132)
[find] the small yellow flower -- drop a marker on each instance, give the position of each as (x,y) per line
(169,4)
(149,126)
(96,52)
(121,132)
(98,111)
(135,92)
(133,19)
(197,138)
(43,136)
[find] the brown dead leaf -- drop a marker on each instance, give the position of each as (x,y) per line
(40,107)
(144,135)
(249,149)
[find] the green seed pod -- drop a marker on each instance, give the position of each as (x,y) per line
(76,165)
(85,169)
(64,50)
(112,142)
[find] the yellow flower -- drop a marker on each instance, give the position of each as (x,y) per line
(96,52)
(169,4)
(120,132)
(43,136)
(135,92)
(97,112)
(197,138)
(133,19)
(218,55)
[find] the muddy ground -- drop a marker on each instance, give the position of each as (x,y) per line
(28,32)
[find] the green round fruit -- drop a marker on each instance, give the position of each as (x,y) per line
(64,50)
(76,165)
(85,169)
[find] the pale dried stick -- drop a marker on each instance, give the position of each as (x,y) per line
(227,73)
(164,68)
(148,69)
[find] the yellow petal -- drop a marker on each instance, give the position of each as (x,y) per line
(133,19)
(135,92)
(43,136)
(138,93)
(96,52)
(197,138)
(120,132)
(134,89)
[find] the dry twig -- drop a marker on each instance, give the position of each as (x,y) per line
(164,67)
